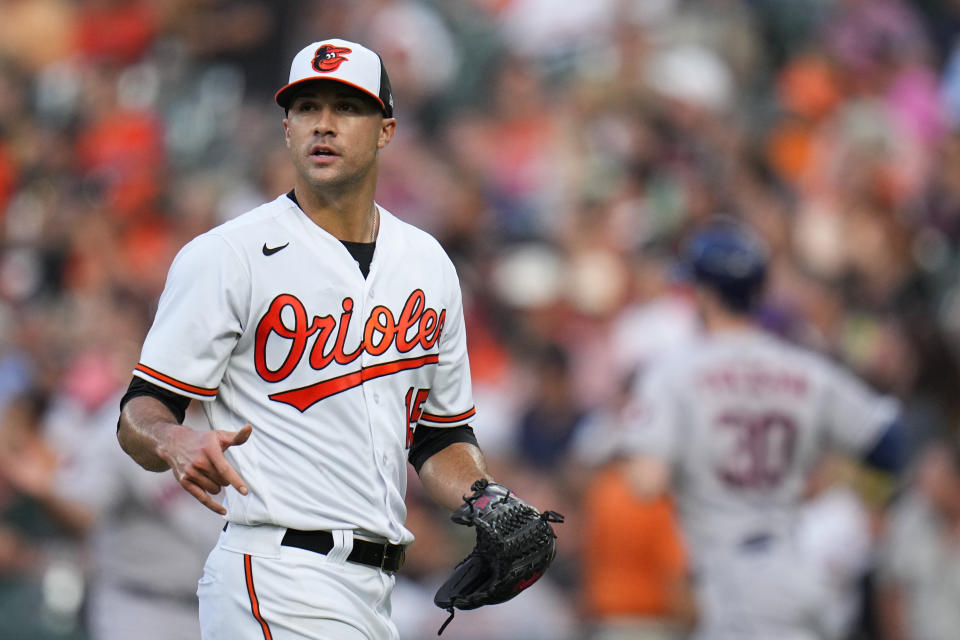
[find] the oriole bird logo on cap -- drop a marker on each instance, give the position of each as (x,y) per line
(329,57)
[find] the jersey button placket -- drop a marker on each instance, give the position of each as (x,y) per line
(371,397)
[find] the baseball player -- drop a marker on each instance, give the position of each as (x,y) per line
(733,424)
(148,537)
(326,340)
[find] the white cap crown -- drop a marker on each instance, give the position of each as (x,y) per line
(341,61)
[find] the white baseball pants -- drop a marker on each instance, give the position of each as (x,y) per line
(253,588)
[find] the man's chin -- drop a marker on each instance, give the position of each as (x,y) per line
(324,180)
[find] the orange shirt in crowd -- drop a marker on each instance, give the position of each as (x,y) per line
(634,561)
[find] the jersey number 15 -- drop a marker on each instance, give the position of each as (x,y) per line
(414,401)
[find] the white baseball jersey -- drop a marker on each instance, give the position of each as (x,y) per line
(268,320)
(741,417)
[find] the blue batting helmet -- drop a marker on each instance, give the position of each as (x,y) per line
(729,259)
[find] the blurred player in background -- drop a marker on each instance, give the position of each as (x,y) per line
(140,537)
(148,538)
(41,582)
(733,425)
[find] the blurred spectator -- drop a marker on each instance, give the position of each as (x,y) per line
(423,56)
(919,575)
(549,422)
(115,30)
(636,581)
(148,537)
(836,539)
(41,584)
(36,33)
(252,37)
(509,141)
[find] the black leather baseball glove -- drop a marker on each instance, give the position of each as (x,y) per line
(515,545)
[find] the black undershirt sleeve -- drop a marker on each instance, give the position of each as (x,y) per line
(174,401)
(430,440)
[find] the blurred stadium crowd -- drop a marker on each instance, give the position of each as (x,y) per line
(559,151)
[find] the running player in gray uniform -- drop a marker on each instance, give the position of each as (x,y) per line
(733,424)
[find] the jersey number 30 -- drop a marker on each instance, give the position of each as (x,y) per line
(762,451)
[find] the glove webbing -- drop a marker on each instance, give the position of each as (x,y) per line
(548,516)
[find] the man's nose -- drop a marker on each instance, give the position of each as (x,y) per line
(325,123)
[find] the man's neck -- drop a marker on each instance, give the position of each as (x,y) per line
(348,216)
(721,321)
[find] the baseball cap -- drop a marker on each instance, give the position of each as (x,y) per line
(341,61)
(728,257)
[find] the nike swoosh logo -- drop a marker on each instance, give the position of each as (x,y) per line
(269,251)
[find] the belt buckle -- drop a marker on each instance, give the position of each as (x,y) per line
(386,553)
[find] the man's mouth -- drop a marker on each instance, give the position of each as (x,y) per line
(322,151)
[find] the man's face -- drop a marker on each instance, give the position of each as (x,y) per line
(939,480)
(334,132)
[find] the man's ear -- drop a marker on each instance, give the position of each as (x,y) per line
(286,132)
(387,130)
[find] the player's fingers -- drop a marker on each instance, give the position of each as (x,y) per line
(203,497)
(227,473)
(206,483)
(240,436)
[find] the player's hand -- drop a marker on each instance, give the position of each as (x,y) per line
(649,477)
(198,463)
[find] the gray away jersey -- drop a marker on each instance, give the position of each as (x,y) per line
(741,417)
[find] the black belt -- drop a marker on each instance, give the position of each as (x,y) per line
(386,557)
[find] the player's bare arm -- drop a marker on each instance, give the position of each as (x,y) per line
(150,434)
(448,474)
(649,476)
